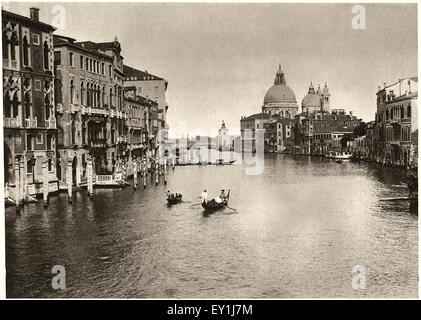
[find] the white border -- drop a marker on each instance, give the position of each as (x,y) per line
(2,208)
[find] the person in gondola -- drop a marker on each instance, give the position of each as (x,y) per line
(222,195)
(204,196)
(168,194)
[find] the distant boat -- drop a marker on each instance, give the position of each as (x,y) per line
(174,200)
(211,206)
(338,161)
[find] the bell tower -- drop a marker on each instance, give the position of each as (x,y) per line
(326,99)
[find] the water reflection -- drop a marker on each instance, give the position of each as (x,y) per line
(300,228)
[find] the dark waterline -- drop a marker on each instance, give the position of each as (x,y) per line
(303,224)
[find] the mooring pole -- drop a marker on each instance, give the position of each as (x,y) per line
(17,186)
(69,180)
(90,177)
(165,170)
(156,172)
(45,183)
(135,175)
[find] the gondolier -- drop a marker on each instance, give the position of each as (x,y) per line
(204,196)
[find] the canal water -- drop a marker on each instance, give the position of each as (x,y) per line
(301,227)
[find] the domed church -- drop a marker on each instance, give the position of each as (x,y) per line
(318,101)
(280,99)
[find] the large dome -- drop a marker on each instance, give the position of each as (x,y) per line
(279,93)
(311,100)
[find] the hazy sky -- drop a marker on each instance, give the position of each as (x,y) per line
(220,59)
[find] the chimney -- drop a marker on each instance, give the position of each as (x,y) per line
(384,84)
(34,13)
(379,88)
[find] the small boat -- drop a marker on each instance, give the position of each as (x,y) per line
(174,200)
(338,161)
(211,206)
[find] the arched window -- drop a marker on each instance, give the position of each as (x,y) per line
(47,107)
(7,110)
(27,102)
(15,104)
(103,96)
(25,51)
(111,97)
(98,96)
(82,93)
(46,56)
(29,166)
(72,89)
(73,133)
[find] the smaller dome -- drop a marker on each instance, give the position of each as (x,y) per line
(312,100)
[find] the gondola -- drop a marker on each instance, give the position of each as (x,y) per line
(174,200)
(211,206)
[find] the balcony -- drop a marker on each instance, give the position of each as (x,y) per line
(121,139)
(74,108)
(50,124)
(59,108)
(11,122)
(31,123)
(98,143)
(98,111)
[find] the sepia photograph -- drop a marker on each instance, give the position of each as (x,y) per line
(218,150)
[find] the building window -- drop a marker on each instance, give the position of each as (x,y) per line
(71,60)
(57,58)
(49,140)
(46,50)
(29,144)
(50,165)
(103,68)
(81,62)
(5,49)
(82,93)
(13,51)
(87,64)
(109,71)
(25,51)
(39,138)
(36,39)
(72,89)
(408,111)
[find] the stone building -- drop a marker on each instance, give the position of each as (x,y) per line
(249,127)
(320,133)
(90,108)
(151,87)
(28,105)
(397,122)
(138,111)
